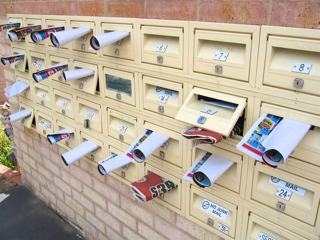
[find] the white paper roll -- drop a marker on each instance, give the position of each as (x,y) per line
(16,88)
(59,39)
(20,115)
(148,146)
(77,74)
(213,168)
(78,152)
(112,163)
(100,41)
(283,140)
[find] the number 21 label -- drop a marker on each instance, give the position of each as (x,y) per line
(284,194)
(301,68)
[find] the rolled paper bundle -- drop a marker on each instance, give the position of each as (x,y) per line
(43,74)
(150,187)
(20,115)
(20,33)
(16,88)
(77,74)
(149,145)
(202,136)
(112,163)
(60,135)
(59,39)
(9,25)
(210,170)
(11,59)
(282,141)
(100,41)
(78,152)
(38,36)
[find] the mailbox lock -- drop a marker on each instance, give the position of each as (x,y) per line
(210,222)
(83,46)
(63,112)
(218,69)
(118,96)
(160,59)
(67,143)
(117,52)
(121,137)
(298,83)
(42,102)
(160,109)
(86,123)
(123,174)
(162,154)
(81,86)
(92,157)
(60,78)
(280,206)
(44,132)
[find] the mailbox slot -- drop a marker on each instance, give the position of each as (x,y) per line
(22,65)
(89,113)
(87,84)
(55,23)
(97,155)
(64,103)
(43,95)
(29,121)
(83,44)
(44,123)
(59,76)
(70,142)
(29,22)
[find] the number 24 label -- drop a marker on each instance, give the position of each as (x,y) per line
(284,194)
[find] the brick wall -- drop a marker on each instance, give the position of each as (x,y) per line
(102,206)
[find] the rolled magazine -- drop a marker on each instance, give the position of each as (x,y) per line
(59,39)
(40,35)
(100,41)
(78,152)
(44,74)
(13,58)
(15,89)
(18,34)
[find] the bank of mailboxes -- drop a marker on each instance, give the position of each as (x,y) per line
(161,77)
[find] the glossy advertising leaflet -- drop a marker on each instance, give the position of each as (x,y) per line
(272,139)
(20,33)
(201,136)
(11,59)
(44,74)
(39,36)
(60,135)
(150,187)
(9,25)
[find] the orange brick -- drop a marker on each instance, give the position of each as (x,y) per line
(255,12)
(168,9)
(125,8)
(90,8)
(296,13)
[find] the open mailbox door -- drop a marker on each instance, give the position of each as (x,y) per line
(212,110)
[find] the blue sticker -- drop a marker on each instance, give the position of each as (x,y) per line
(202,120)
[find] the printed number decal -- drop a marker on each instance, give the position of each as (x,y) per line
(223,228)
(302,68)
(163,98)
(220,56)
(162,47)
(284,194)
(264,236)
(122,129)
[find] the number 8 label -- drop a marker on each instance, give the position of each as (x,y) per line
(304,68)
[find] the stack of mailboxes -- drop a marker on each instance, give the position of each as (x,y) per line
(248,65)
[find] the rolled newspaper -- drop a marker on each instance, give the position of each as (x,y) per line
(148,146)
(40,35)
(11,59)
(59,39)
(20,115)
(112,163)
(78,152)
(43,74)
(15,89)
(100,41)
(20,33)
(77,74)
